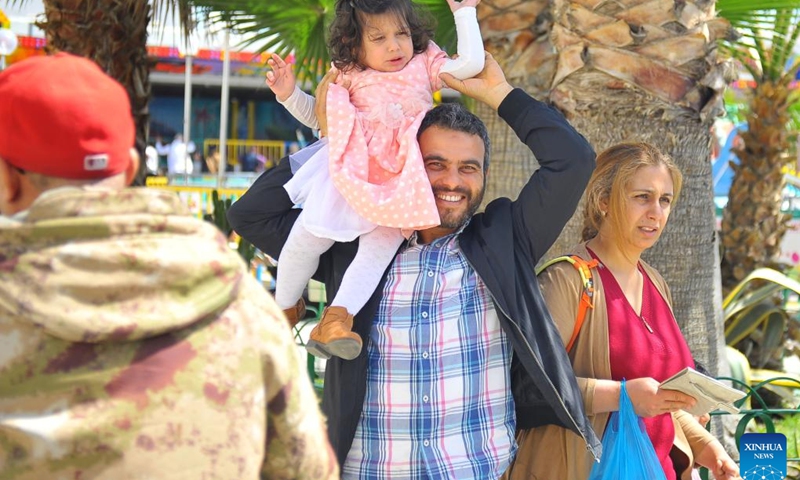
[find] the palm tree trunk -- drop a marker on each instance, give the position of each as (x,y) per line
(113,33)
(636,70)
(752,223)
(517,34)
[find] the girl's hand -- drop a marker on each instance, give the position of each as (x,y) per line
(281,79)
(649,400)
(463,3)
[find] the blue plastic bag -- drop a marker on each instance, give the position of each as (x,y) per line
(628,453)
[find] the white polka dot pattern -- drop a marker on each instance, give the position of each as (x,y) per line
(375,162)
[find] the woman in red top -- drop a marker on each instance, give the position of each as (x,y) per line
(630,333)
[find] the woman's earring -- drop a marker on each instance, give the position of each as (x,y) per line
(604,213)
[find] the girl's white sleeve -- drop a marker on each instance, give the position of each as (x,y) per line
(470,46)
(301,106)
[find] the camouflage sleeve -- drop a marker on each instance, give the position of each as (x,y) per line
(297,443)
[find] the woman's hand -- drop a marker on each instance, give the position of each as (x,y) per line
(281,79)
(649,400)
(464,3)
(702,419)
(714,457)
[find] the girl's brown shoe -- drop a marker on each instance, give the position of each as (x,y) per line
(296,313)
(334,336)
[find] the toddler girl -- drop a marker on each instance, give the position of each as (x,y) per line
(366,179)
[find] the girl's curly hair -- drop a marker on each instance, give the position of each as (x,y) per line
(346,32)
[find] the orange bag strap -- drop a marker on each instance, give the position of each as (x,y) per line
(584,268)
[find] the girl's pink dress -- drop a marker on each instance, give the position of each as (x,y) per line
(371,171)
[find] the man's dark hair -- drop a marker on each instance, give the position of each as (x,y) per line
(454,116)
(347,29)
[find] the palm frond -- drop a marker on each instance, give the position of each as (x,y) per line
(445,35)
(174,12)
(794,112)
(278,26)
(779,39)
(768,27)
(746,11)
(791,44)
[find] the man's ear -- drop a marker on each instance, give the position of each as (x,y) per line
(10,187)
(133,167)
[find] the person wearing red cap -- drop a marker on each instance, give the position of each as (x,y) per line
(133,343)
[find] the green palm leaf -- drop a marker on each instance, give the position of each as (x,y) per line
(745,11)
(769,32)
(278,26)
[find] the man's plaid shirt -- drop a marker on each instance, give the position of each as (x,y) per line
(438,402)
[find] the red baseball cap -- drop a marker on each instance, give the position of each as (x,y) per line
(61,116)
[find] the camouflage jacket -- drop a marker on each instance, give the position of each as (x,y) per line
(134,345)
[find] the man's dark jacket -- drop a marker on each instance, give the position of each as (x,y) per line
(502,244)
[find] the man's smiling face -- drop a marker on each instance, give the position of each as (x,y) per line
(454,163)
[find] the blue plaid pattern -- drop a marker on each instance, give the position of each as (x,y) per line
(438,401)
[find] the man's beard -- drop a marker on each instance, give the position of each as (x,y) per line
(453,219)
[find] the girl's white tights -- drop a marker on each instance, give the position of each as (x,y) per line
(297,263)
(300,259)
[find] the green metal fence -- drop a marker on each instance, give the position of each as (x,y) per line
(315,305)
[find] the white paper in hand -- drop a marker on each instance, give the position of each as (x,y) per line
(711,394)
